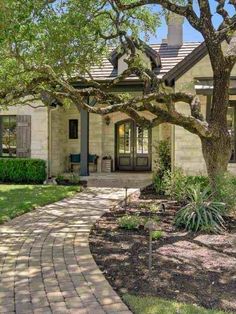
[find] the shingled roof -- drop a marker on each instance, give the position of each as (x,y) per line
(170,58)
(149,51)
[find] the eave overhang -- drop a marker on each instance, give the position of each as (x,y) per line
(186,64)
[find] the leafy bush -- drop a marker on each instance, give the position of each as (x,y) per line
(201,181)
(163,163)
(156,235)
(22,170)
(176,184)
(153,207)
(201,213)
(226,190)
(130,222)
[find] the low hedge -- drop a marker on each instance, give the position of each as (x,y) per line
(22,170)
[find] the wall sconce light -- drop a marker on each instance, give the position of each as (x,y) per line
(107,120)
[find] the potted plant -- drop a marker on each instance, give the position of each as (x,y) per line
(107,164)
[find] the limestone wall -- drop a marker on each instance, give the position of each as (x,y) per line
(58,141)
(62,146)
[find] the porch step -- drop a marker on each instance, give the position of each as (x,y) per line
(118,183)
(119,180)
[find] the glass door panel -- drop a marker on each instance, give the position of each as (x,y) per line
(124,146)
(133,147)
(142,140)
(142,149)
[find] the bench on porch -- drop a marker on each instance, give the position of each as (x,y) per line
(75,160)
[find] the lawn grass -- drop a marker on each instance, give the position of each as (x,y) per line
(154,305)
(16,200)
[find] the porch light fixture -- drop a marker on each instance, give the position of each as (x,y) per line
(107,120)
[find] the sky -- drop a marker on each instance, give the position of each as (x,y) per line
(189,33)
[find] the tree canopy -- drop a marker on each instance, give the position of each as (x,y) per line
(60,38)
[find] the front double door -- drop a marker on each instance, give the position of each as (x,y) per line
(133,147)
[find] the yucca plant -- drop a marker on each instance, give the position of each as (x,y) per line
(201,213)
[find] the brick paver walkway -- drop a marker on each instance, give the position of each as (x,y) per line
(45,261)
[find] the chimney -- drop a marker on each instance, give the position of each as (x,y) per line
(175,30)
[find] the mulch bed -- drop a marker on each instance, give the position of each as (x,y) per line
(195,268)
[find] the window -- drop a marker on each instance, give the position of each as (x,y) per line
(8,136)
(73,129)
(142,141)
(124,133)
(231,119)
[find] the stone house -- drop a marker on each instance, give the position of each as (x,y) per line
(54,133)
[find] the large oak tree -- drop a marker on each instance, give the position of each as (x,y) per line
(47,46)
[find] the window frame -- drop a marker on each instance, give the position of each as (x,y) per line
(71,132)
(1,136)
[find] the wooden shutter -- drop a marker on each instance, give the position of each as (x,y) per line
(23,136)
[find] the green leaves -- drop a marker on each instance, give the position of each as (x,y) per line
(130,222)
(70,36)
(201,213)
(22,170)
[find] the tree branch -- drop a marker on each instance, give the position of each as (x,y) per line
(186,11)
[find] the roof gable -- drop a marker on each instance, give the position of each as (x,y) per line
(151,53)
(186,64)
(172,59)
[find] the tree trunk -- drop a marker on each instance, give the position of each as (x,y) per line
(217,149)
(216,152)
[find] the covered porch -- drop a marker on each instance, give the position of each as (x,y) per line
(83,144)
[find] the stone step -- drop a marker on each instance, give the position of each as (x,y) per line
(113,183)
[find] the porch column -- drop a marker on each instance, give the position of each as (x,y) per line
(84,142)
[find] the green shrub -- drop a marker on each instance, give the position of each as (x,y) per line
(130,222)
(22,170)
(176,184)
(201,213)
(163,164)
(201,181)
(151,207)
(226,191)
(156,235)
(157,182)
